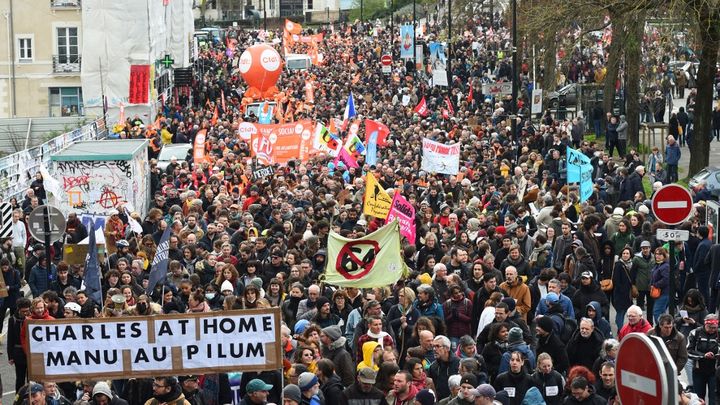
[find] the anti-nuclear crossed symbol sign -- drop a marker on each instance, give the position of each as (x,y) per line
(356,258)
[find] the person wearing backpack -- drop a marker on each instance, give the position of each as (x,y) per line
(549,342)
(564,324)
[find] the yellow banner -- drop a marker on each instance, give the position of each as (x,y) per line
(376,202)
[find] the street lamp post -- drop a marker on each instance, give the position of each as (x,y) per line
(265,15)
(450,47)
(414,34)
(515,77)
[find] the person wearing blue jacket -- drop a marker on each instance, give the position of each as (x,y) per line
(41,277)
(661,279)
(672,158)
(517,344)
(427,303)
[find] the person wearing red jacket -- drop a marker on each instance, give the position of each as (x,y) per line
(38,310)
(635,322)
(458,314)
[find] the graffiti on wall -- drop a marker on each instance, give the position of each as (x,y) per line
(95,187)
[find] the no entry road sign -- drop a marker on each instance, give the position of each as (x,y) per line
(672,204)
(645,373)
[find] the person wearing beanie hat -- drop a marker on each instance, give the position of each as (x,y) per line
(102,395)
(291,393)
(324,316)
(300,326)
(310,388)
(333,348)
(516,344)
(226,288)
(548,341)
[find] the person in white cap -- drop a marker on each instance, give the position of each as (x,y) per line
(72,310)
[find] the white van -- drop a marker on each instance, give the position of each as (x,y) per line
(297,61)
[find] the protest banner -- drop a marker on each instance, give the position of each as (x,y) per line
(376,201)
(263,172)
(438,64)
(147,346)
(497,89)
(440,158)
(405,214)
(371,261)
(279,143)
(76,253)
(407,42)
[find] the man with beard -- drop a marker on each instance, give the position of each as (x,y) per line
(256,393)
(363,391)
(404,391)
(584,345)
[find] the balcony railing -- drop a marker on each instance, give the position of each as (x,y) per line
(65,3)
(66,64)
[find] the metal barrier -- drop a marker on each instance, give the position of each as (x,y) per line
(17,171)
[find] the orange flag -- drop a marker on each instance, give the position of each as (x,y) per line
(214,119)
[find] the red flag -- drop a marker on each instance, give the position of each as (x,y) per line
(450,107)
(382,131)
(445,114)
(422,108)
(222,99)
(214,119)
(470,95)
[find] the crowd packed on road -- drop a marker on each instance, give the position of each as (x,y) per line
(511,278)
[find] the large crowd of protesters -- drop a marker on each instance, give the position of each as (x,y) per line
(518,293)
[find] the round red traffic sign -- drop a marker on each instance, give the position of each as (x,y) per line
(386,60)
(640,375)
(672,204)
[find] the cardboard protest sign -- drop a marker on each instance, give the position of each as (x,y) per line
(262,172)
(147,346)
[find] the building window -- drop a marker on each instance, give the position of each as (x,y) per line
(68,50)
(66,101)
(25,49)
(271,4)
(309,4)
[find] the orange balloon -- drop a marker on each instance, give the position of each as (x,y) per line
(260,66)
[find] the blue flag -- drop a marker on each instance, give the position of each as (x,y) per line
(349,108)
(575,161)
(91,278)
(158,271)
(371,151)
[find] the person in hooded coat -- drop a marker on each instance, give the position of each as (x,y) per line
(333,349)
(584,345)
(516,344)
(589,291)
(593,310)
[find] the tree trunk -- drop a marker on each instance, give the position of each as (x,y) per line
(613,63)
(549,63)
(708,20)
(633,49)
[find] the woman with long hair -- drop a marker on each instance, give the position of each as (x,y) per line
(402,318)
(488,313)
(275,293)
(660,278)
(494,349)
(305,355)
(623,277)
